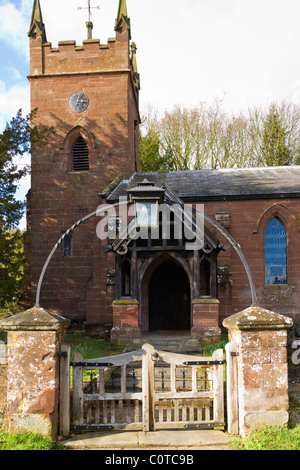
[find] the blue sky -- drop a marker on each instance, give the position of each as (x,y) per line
(14,63)
(243,51)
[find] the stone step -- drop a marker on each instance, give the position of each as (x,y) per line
(181,344)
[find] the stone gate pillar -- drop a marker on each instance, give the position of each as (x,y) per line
(125,321)
(33,341)
(259,338)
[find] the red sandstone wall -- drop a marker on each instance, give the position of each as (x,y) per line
(248,220)
(3,397)
(60,197)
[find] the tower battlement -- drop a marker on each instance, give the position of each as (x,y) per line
(90,57)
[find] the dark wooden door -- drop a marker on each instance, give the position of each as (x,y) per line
(169,299)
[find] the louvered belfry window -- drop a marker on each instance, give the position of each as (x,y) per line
(275,253)
(80,155)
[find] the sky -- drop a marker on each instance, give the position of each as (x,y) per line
(244,52)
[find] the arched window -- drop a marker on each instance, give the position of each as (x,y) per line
(275,253)
(67,246)
(80,155)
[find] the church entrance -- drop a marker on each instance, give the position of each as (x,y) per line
(169,299)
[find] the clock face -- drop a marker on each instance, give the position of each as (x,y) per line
(78,102)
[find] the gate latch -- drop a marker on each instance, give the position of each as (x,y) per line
(155,357)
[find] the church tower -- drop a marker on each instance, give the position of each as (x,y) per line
(90,95)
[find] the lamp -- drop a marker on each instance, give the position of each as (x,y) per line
(146,198)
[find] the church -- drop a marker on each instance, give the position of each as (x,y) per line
(174,278)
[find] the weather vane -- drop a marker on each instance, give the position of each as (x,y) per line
(89,23)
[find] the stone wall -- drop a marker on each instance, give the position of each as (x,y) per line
(3,386)
(3,398)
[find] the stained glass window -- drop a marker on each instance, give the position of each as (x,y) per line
(275,253)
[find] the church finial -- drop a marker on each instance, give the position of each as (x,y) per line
(122,14)
(122,9)
(37,25)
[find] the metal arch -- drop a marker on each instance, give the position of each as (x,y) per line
(219,227)
(98,212)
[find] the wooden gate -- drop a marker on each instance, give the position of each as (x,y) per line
(143,390)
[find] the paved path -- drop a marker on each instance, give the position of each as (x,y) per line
(159,440)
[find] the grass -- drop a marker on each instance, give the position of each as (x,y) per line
(270,438)
(27,441)
(92,347)
(209,348)
(276,437)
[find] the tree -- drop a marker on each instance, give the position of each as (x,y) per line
(178,136)
(17,139)
(151,156)
(274,136)
(205,136)
(150,159)
(275,133)
(12,262)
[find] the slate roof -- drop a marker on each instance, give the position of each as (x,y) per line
(250,183)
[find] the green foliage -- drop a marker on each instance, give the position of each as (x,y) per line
(27,441)
(270,438)
(210,347)
(274,139)
(149,152)
(90,347)
(150,156)
(17,140)
(11,268)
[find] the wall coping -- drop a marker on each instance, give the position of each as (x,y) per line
(35,319)
(205,301)
(257,318)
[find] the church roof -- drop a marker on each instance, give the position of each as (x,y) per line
(201,185)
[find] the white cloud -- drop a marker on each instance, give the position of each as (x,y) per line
(12,100)
(14,74)
(13,28)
